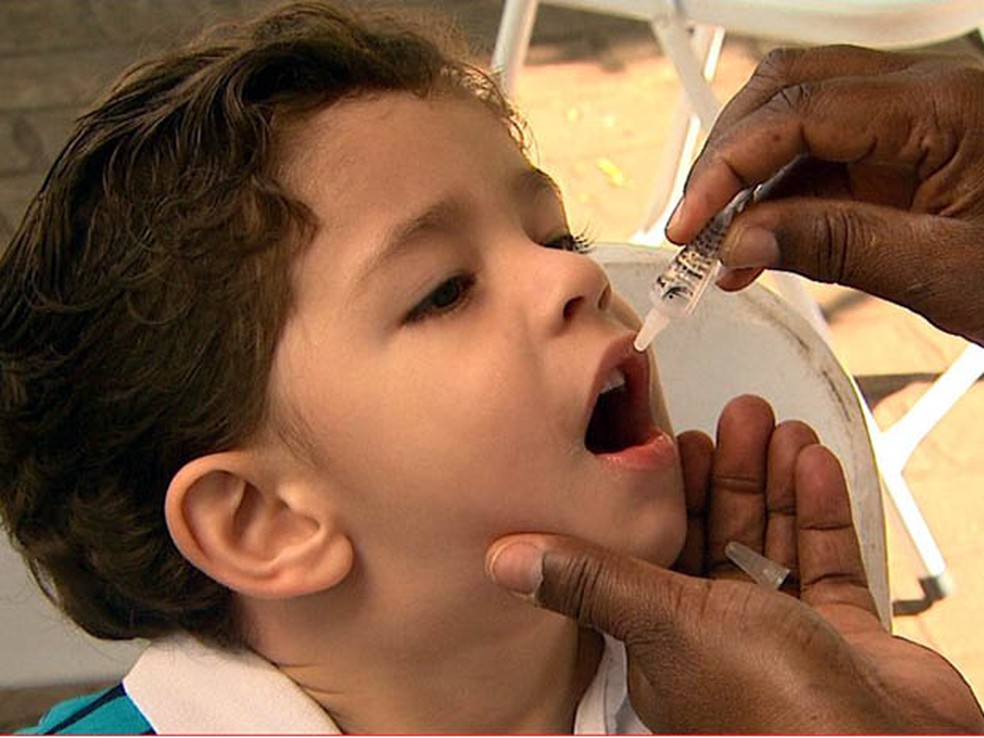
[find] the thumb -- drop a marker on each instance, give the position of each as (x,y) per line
(619,595)
(924,262)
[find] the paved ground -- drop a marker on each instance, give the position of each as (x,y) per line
(597,94)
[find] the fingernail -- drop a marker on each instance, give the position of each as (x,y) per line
(723,274)
(675,216)
(730,279)
(518,567)
(752,247)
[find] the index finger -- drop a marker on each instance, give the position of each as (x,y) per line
(841,119)
(784,67)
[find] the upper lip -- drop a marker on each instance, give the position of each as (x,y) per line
(622,355)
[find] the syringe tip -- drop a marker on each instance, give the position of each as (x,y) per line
(654,323)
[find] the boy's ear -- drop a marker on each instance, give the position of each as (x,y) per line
(254,532)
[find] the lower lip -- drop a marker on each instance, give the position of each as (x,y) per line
(658,452)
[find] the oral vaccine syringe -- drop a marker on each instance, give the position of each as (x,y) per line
(676,291)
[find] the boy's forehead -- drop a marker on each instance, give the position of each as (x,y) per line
(344,140)
(393,154)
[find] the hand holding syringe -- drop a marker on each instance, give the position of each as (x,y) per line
(676,291)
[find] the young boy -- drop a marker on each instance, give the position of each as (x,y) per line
(292,332)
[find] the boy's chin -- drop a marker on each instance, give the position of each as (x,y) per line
(661,549)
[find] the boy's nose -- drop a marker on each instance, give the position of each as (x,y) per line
(565,287)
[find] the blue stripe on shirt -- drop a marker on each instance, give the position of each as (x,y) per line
(110,712)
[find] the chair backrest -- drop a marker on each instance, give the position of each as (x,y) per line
(732,344)
(753,342)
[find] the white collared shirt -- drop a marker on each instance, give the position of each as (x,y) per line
(183,686)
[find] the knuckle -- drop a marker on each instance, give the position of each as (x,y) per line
(772,73)
(777,66)
(578,587)
(795,98)
(964,91)
(937,288)
(960,76)
(832,233)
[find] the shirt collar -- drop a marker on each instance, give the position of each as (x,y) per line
(183,686)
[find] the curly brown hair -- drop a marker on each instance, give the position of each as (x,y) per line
(142,298)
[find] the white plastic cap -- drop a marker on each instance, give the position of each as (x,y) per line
(764,571)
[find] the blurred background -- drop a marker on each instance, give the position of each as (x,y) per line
(598,94)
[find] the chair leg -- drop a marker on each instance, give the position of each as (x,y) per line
(936,583)
(694,72)
(512,42)
(685,126)
(893,448)
(906,433)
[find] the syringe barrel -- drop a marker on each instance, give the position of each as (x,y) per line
(678,289)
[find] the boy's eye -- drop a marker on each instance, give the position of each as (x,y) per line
(449,295)
(578,243)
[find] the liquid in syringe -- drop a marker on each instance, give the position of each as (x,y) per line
(676,291)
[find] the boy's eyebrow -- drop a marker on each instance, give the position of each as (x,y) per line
(527,184)
(534,181)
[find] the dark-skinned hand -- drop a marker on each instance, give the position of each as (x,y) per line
(890,196)
(711,652)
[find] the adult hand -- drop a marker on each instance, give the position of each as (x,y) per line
(722,655)
(890,198)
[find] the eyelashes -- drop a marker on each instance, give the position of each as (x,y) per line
(451,294)
(454,292)
(578,243)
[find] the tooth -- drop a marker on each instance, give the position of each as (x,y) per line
(615,380)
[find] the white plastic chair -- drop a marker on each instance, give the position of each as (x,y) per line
(752,341)
(690,33)
(732,344)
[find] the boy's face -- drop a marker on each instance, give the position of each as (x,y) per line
(445,353)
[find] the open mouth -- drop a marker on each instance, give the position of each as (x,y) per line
(621,416)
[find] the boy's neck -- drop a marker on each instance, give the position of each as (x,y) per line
(507,694)
(525,679)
